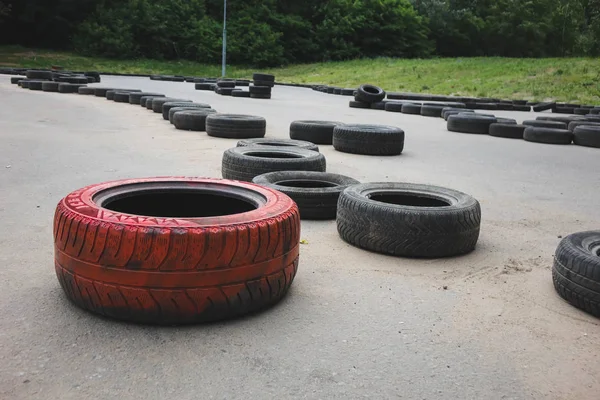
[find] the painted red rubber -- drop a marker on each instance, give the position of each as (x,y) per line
(175,270)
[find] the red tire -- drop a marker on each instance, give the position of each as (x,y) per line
(176,250)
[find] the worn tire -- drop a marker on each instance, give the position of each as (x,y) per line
(587,135)
(260,96)
(110,94)
(192,120)
(15,80)
(35,85)
(465,123)
(158,102)
(263,83)
(278,143)
(245,163)
(226,84)
(263,77)
(368,139)
(576,271)
(359,104)
(68,87)
(136,97)
(403,219)
(259,90)
(175,110)
(223,91)
(575,124)
(121,97)
(393,106)
(168,105)
(546,124)
(86,90)
(369,94)
(240,93)
(236,126)
(204,86)
(379,105)
(510,131)
(548,135)
(176,269)
(318,132)
(38,74)
(50,86)
(411,108)
(448,113)
(315,193)
(430,110)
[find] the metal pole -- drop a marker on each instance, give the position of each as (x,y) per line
(224,38)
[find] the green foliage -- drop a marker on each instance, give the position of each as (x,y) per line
(278,32)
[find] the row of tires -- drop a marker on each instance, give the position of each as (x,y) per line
(582,132)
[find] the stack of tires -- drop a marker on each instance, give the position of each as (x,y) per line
(261,86)
(368,96)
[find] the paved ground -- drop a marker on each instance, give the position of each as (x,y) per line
(355,324)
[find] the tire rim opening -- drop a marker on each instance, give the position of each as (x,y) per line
(311,184)
(273,155)
(176,203)
(409,199)
(370,89)
(276,144)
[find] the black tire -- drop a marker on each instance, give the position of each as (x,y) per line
(35,85)
(278,143)
(369,94)
(575,124)
(15,80)
(263,77)
(587,135)
(236,126)
(110,94)
(455,111)
(259,90)
(507,121)
(50,86)
(175,110)
(510,131)
(146,101)
(347,92)
(380,105)
(68,87)
(545,124)
(172,104)
(428,110)
(519,107)
(204,86)
(224,91)
(359,104)
(544,106)
(263,83)
(85,90)
(24,84)
(548,135)
(410,108)
(566,120)
(192,120)
(158,102)
(259,96)
(101,92)
(380,140)
(467,123)
(319,132)
(121,97)
(393,106)
(576,271)
(242,83)
(315,193)
(245,163)
(38,74)
(582,111)
(240,93)
(226,84)
(564,110)
(410,220)
(136,97)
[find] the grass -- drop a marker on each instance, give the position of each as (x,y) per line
(561,79)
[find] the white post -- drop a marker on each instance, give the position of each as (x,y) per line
(224,37)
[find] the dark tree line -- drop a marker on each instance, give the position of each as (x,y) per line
(276,32)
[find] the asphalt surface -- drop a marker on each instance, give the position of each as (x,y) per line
(355,324)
